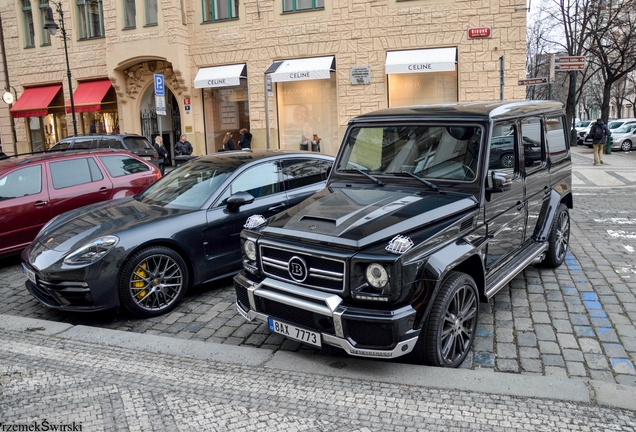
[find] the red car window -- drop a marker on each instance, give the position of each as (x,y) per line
(21,182)
(120,165)
(73,172)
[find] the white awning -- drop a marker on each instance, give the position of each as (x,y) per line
(220,76)
(302,69)
(419,61)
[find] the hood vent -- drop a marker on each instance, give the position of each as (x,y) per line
(467,224)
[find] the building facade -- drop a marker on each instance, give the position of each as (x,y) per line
(292,72)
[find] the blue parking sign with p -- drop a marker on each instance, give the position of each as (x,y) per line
(159,85)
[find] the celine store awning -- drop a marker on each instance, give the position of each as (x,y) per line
(88,96)
(220,76)
(302,69)
(420,61)
(35,101)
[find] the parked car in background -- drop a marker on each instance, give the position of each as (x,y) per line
(35,188)
(143,252)
(624,137)
(136,144)
(502,151)
(613,126)
(582,129)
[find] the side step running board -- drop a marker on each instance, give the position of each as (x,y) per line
(499,279)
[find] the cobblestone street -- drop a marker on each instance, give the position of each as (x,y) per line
(575,321)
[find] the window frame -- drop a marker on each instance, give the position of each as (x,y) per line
(84,20)
(46,36)
(233,10)
(146,9)
(127,24)
(295,9)
(29,28)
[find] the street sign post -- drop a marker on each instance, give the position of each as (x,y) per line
(533,81)
(160,95)
(570,63)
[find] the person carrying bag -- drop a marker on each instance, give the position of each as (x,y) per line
(183,150)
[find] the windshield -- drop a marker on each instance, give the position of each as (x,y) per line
(189,186)
(626,129)
(435,152)
(583,124)
(615,125)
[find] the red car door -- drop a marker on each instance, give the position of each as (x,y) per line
(24,207)
(77,182)
(129,175)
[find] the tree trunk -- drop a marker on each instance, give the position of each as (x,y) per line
(569,106)
(605,106)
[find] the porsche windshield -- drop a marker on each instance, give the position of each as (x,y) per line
(189,186)
(435,152)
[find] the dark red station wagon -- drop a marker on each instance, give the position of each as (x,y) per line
(35,188)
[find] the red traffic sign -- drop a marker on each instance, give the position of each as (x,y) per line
(186,101)
(479,32)
(533,81)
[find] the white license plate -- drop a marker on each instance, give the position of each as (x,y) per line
(146,157)
(30,274)
(296,333)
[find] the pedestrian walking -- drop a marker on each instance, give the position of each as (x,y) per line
(599,132)
(228,142)
(163,153)
(245,142)
(182,150)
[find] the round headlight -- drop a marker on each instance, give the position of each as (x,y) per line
(377,276)
(250,249)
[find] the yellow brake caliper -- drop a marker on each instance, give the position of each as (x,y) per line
(139,283)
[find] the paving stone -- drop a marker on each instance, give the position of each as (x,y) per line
(573,355)
(527,352)
(552,360)
(576,369)
(528,339)
(506,350)
(602,375)
(590,346)
(614,350)
(596,361)
(622,366)
(544,332)
(541,317)
(567,340)
(531,365)
(556,371)
(507,365)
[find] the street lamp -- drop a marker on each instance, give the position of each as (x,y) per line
(52,27)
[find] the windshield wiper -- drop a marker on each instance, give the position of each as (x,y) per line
(423,180)
(369,176)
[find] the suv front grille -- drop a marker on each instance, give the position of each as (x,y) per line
(323,273)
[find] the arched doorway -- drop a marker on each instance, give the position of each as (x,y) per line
(169,125)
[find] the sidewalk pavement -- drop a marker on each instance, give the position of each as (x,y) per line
(98,379)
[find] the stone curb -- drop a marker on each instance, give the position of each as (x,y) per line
(481,381)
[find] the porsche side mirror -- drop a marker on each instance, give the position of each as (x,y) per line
(237,200)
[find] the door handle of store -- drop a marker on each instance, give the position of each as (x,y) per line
(40,203)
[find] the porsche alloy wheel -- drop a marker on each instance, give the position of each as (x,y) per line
(153,282)
(507,161)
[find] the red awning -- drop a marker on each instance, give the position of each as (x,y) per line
(88,96)
(35,101)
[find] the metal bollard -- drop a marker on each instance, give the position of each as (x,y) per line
(608,144)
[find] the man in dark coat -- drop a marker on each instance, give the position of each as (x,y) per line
(182,150)
(599,133)
(246,139)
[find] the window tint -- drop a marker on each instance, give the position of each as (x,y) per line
(555,136)
(62,145)
(113,143)
(533,144)
(22,182)
(120,165)
(137,143)
(96,174)
(303,172)
(258,181)
(82,143)
(503,156)
(71,173)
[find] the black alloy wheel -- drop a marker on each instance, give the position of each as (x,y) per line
(507,160)
(448,334)
(559,239)
(153,282)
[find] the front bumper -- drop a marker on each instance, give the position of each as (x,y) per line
(360,331)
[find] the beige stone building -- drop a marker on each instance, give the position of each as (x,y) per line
(290,71)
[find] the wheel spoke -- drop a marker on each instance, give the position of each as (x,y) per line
(162,279)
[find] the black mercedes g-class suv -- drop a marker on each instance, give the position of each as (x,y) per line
(418,223)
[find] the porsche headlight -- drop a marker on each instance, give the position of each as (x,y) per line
(92,252)
(249,247)
(376,276)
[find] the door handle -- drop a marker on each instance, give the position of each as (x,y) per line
(103,190)
(520,205)
(547,190)
(278,207)
(40,203)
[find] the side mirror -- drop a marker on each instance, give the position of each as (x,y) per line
(500,182)
(237,200)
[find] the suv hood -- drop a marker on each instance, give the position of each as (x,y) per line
(359,217)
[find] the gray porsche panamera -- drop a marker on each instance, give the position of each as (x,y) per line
(144,252)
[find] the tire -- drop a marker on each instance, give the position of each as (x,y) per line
(448,333)
(507,161)
(626,145)
(559,238)
(153,282)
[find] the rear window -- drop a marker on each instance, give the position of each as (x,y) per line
(137,143)
(120,165)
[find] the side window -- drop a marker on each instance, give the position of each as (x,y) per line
(136,143)
(555,137)
(22,182)
(71,173)
(216,10)
(96,174)
(120,165)
(151,12)
(129,14)
(533,144)
(113,143)
(27,19)
(503,155)
(62,145)
(302,5)
(303,172)
(258,181)
(90,17)
(82,143)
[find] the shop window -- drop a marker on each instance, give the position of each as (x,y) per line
(29,30)
(306,118)
(90,19)
(422,88)
(151,12)
(130,13)
(217,10)
(46,36)
(226,110)
(302,5)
